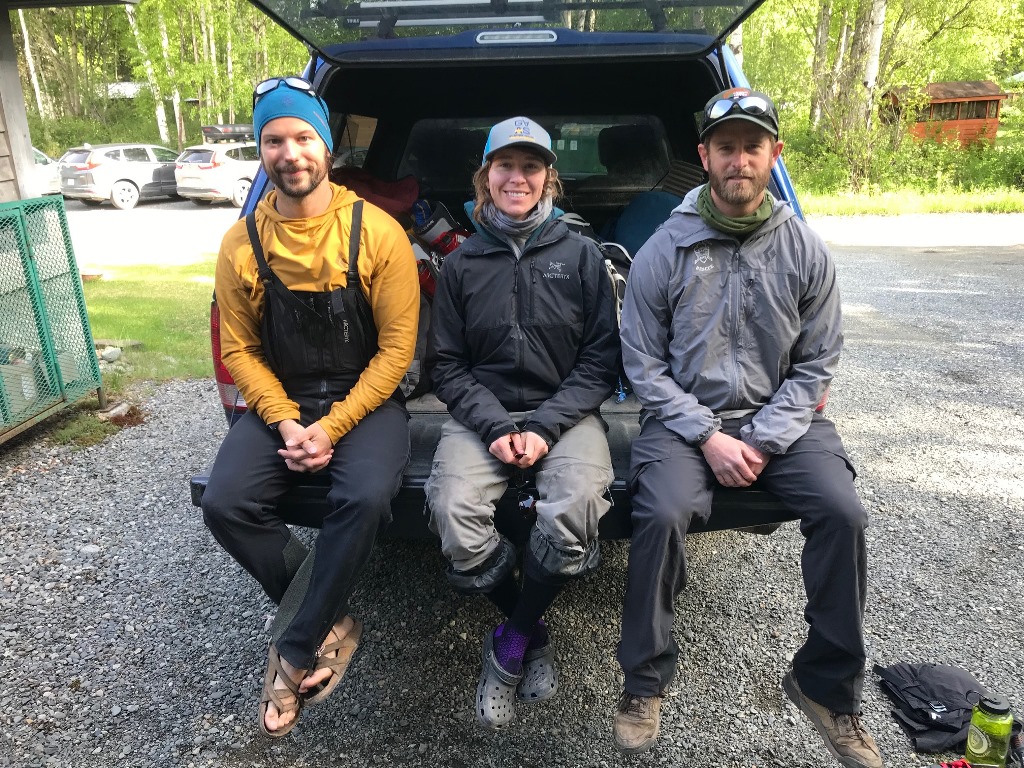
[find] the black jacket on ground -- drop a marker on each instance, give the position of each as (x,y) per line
(536,333)
(934,703)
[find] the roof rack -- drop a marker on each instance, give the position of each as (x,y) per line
(388,14)
(228,132)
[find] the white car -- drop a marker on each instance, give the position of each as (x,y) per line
(45,178)
(120,173)
(208,173)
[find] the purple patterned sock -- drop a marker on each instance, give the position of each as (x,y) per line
(509,647)
(540,637)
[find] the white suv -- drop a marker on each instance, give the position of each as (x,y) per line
(120,173)
(209,173)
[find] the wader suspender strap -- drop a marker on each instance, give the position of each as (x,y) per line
(353,244)
(267,275)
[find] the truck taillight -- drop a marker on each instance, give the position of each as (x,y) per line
(230,398)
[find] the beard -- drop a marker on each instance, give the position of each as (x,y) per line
(304,185)
(740,194)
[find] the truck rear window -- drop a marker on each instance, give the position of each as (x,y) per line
(619,152)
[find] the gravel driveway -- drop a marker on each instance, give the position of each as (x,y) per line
(130,639)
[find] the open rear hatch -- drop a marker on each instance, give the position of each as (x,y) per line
(350,30)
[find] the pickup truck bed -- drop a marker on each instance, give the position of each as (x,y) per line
(733,508)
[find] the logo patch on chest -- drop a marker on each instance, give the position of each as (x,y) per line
(555,271)
(702,257)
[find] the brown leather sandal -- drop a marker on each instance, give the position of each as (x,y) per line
(342,651)
(285,701)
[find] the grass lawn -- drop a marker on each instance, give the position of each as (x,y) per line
(167,309)
(910,201)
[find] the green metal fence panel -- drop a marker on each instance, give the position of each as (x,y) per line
(47,356)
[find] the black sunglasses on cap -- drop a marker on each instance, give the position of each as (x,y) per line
(295,83)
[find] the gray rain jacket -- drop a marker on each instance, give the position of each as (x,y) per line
(713,328)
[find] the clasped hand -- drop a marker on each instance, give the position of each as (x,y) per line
(735,463)
(306,449)
(520,449)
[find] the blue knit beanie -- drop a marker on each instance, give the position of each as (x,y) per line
(288,102)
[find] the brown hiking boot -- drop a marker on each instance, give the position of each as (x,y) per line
(636,723)
(844,734)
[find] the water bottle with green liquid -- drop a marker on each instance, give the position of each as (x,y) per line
(988,737)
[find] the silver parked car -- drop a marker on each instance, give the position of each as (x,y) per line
(208,173)
(120,173)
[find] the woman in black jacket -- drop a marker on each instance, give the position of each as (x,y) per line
(525,351)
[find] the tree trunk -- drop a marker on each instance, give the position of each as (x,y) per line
(229,65)
(207,112)
(875,28)
(736,44)
(852,130)
(841,53)
(865,49)
(820,63)
(211,30)
(75,96)
(161,113)
(165,47)
(30,63)
(885,65)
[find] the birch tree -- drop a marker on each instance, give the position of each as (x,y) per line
(861,72)
(229,62)
(165,49)
(30,63)
(736,44)
(819,64)
(161,113)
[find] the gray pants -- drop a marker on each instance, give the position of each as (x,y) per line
(671,483)
(466,482)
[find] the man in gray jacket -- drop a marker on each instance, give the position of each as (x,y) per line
(731,333)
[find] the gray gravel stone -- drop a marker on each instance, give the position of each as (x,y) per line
(128,638)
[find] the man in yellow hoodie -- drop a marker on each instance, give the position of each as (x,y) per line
(319,301)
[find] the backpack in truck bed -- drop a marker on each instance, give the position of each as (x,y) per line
(616,258)
(616,264)
(435,234)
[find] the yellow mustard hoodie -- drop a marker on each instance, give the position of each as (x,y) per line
(311,254)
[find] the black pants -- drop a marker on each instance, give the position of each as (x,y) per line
(311,588)
(671,483)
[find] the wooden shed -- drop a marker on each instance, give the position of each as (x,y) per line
(967,110)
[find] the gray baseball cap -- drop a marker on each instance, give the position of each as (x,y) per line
(740,104)
(519,132)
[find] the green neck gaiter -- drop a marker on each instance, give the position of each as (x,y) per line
(743,225)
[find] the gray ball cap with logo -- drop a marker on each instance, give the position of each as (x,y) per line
(519,132)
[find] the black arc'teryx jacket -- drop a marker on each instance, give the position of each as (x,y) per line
(531,334)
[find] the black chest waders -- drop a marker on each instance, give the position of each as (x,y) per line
(317,343)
